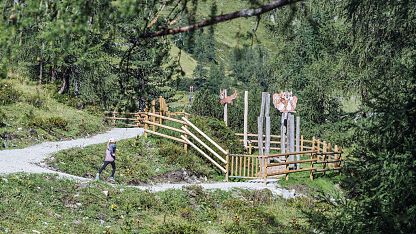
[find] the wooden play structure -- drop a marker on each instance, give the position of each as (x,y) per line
(266,156)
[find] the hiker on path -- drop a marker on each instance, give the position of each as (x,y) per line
(110,157)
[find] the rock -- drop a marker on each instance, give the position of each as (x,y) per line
(105,193)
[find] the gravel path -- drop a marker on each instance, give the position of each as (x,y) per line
(28,160)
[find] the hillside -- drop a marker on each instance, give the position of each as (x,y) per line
(30,114)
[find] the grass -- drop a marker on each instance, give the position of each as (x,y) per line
(321,185)
(44,203)
(138,161)
(31,115)
(187,63)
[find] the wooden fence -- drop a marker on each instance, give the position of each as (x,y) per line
(314,155)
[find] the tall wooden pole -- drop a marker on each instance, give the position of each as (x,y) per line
(298,140)
(267,117)
(225,110)
(245,118)
(291,137)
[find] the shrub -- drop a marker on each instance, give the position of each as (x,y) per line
(35,100)
(8,94)
(48,123)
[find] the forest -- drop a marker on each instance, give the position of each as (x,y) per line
(352,65)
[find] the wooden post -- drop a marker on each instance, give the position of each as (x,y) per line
(260,132)
(114,118)
(301,143)
(225,110)
(283,130)
(313,144)
(146,126)
(227,158)
(336,156)
(245,118)
(185,145)
(311,171)
(325,157)
(161,108)
(331,156)
(250,148)
(154,112)
(298,140)
(291,138)
(267,118)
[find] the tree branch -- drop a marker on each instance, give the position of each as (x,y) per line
(221,18)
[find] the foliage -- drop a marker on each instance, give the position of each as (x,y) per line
(8,94)
(51,204)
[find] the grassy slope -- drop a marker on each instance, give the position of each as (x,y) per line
(35,117)
(44,203)
(143,160)
(138,161)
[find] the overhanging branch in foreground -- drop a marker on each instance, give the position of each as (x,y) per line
(221,18)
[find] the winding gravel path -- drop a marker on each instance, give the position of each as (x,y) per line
(28,160)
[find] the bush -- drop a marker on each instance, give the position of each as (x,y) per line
(35,100)
(8,94)
(48,123)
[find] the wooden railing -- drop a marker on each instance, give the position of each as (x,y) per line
(125,119)
(314,155)
(188,136)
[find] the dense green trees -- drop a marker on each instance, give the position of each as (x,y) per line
(90,47)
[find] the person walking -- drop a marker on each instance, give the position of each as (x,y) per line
(110,157)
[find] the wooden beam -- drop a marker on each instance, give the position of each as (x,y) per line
(203,144)
(204,154)
(165,136)
(204,135)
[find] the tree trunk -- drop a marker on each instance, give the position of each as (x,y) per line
(65,82)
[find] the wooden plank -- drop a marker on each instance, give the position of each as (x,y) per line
(225,109)
(255,135)
(203,144)
(240,166)
(252,166)
(290,162)
(245,166)
(290,171)
(298,140)
(204,135)
(232,165)
(146,126)
(301,143)
(203,153)
(272,148)
(245,129)
(168,118)
(166,127)
(248,166)
(165,136)
(287,154)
